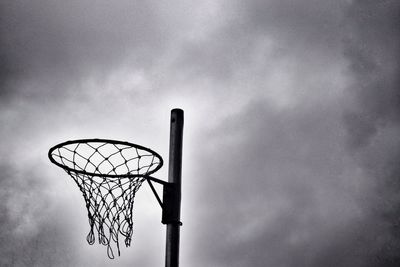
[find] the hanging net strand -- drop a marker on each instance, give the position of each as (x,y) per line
(108,173)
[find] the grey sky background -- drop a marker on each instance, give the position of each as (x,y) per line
(291,143)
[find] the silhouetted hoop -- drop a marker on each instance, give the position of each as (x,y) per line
(70,156)
(108,173)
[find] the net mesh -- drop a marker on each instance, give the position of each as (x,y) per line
(108,175)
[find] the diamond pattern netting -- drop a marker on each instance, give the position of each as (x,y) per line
(108,175)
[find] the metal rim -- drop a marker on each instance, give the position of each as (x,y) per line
(97,140)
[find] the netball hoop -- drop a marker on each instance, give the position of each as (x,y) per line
(110,172)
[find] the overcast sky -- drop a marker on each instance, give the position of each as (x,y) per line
(292,127)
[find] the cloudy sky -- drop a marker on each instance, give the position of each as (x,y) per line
(292,123)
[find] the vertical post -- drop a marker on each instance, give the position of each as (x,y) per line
(172,192)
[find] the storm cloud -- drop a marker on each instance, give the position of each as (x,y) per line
(291,149)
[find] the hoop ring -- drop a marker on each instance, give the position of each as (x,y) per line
(105,141)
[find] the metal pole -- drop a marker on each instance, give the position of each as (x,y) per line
(174,179)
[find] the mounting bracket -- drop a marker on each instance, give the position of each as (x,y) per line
(169,201)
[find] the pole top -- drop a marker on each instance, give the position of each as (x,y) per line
(177,116)
(177,110)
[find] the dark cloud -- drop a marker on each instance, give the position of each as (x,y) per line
(372,48)
(373,121)
(277,197)
(307,31)
(286,187)
(58,43)
(30,232)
